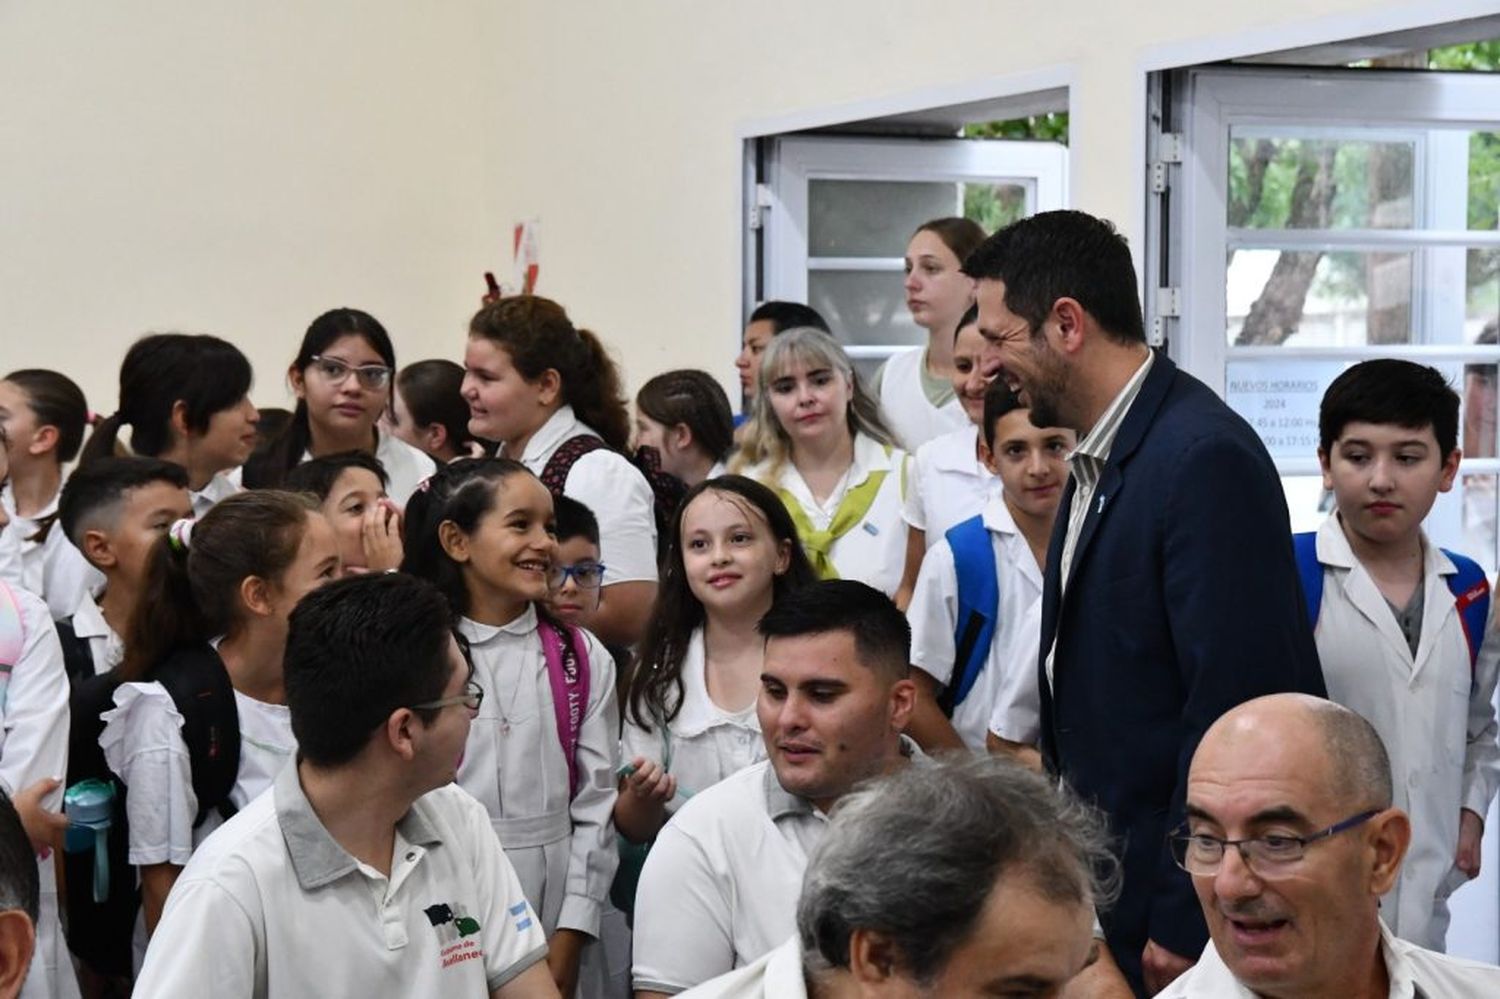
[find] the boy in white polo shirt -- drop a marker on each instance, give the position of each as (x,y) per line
(976,611)
(720,886)
(364,871)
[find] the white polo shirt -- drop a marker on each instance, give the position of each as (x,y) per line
(610,486)
(1415,973)
(778,975)
(1004,698)
(272,905)
(947,484)
(720,886)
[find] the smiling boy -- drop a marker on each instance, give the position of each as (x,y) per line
(1401,625)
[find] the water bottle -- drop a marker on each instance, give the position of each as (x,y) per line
(89,805)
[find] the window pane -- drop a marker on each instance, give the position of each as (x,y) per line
(1307,183)
(864,307)
(1280,399)
(1479,519)
(995,206)
(1484,180)
(872,218)
(1306,501)
(1312,298)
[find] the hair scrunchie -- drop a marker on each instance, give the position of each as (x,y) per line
(180,534)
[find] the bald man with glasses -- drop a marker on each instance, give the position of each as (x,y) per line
(1290,840)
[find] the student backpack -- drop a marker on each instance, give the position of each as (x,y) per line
(667,490)
(100,933)
(78,658)
(1469,586)
(978,607)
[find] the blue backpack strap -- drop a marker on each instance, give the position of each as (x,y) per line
(1310,571)
(978,607)
(1471,598)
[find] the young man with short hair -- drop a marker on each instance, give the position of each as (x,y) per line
(1292,837)
(1401,625)
(114,510)
(365,870)
(720,886)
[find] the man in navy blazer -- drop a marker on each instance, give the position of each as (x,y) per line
(1170,593)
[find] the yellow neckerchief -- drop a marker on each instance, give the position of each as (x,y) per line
(852,509)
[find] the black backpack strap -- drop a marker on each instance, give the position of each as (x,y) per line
(78,659)
(555,473)
(199,684)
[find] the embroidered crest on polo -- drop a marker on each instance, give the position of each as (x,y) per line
(451,922)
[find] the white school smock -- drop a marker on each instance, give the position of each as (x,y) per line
(908,412)
(610,486)
(273,906)
(708,743)
(1434,714)
(34,745)
(1004,698)
(947,484)
(874,551)
(54,569)
(562,845)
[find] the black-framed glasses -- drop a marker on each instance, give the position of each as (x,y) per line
(588,575)
(471,698)
(1201,854)
(334,371)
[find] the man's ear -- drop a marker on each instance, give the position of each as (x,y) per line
(17,943)
(454,541)
(903,700)
(873,960)
(400,729)
(178,419)
(1388,837)
(98,549)
(1072,321)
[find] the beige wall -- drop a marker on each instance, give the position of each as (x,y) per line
(238,168)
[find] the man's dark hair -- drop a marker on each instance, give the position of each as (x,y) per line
(787,316)
(1064,254)
(20,883)
(882,638)
(1386,390)
(356,650)
(575,520)
(318,475)
(95,487)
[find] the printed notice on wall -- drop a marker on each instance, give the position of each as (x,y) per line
(1280,400)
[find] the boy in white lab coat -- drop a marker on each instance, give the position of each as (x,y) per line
(1403,627)
(990,696)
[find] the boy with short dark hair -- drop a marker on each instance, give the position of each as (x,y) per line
(114,510)
(1403,627)
(975,611)
(573,596)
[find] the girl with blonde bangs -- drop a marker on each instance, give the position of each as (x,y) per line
(819,441)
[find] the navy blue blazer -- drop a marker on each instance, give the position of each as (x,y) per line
(1183,600)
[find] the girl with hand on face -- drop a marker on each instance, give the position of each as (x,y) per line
(216,599)
(914,387)
(428,411)
(342,379)
(186,400)
(684,416)
(350,489)
(818,441)
(482,531)
(949,480)
(690,713)
(545,390)
(44,415)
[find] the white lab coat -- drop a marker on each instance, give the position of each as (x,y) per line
(908,412)
(1435,715)
(947,484)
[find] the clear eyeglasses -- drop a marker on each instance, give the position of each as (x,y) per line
(1201,854)
(371,376)
(471,698)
